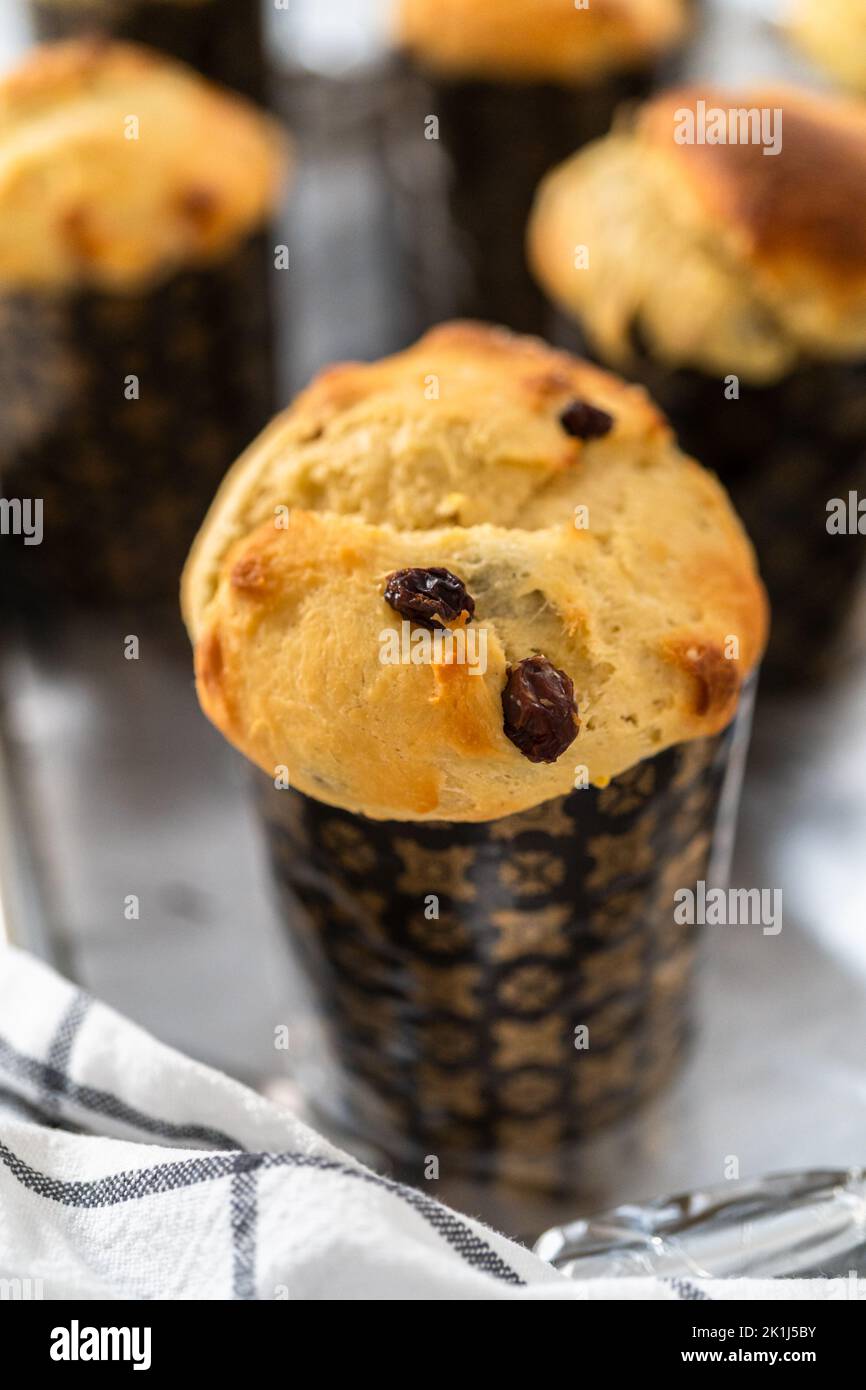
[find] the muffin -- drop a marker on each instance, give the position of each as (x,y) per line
(504,90)
(733,284)
(484,836)
(221,38)
(135,358)
(833,34)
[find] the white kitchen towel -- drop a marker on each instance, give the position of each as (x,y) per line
(128,1171)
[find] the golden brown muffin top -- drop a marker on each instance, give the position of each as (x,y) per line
(721,256)
(118,165)
(538,40)
(833,34)
(611,554)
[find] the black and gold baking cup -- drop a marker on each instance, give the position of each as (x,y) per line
(221,38)
(493,144)
(784,452)
(491,993)
(119,415)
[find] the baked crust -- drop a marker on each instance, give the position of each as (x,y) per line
(452,454)
(833,34)
(538,40)
(82,203)
(721,257)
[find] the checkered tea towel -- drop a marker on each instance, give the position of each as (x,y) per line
(128,1171)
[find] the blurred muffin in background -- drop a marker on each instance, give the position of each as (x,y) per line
(732,282)
(135,355)
(833,34)
(508,88)
(221,38)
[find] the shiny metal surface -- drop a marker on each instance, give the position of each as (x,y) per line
(791,1225)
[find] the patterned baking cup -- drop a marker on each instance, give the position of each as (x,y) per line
(783,452)
(124,482)
(465,198)
(221,38)
(450,965)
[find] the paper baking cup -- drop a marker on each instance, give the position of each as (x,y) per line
(124,482)
(453,1036)
(221,38)
(465,198)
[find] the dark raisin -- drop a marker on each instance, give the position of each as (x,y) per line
(585,421)
(540,714)
(431,597)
